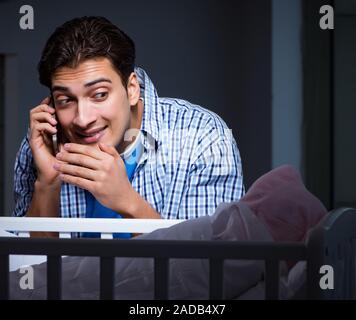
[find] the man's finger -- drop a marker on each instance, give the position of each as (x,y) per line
(42,108)
(44,117)
(79,182)
(84,149)
(76,171)
(109,149)
(46,100)
(79,160)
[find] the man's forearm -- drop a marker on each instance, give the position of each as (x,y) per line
(139,208)
(45,203)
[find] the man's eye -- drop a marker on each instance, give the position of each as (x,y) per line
(100,95)
(62,102)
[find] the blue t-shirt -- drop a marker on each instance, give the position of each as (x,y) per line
(94,209)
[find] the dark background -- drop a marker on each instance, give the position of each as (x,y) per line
(284,86)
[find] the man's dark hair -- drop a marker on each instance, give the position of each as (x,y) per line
(86,38)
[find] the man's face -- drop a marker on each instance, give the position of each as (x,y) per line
(92,105)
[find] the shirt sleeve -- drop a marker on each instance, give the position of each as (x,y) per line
(215,177)
(24,179)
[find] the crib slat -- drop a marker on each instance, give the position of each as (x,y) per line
(107,266)
(65,235)
(216,279)
(272,279)
(161,278)
(54,277)
(106,235)
(4,277)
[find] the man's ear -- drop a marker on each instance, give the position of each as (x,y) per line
(133,89)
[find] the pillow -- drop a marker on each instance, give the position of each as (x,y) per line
(281,201)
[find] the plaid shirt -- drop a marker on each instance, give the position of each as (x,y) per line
(189,166)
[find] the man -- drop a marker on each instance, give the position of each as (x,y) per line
(178,160)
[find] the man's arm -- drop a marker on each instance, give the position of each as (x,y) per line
(33,199)
(45,203)
(139,208)
(24,179)
(215,177)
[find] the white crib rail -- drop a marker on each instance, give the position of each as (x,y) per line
(65,226)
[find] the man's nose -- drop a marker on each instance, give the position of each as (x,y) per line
(85,115)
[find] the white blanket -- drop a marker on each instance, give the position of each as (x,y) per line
(189,279)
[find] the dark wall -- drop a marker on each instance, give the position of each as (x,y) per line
(255,110)
(213,53)
(329,104)
(317,83)
(2,100)
(344,148)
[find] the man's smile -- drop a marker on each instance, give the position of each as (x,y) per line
(90,136)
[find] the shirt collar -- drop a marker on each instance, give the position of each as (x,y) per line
(152,117)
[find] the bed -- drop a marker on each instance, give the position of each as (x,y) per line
(331,243)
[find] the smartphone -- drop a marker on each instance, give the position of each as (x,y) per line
(55,141)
